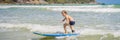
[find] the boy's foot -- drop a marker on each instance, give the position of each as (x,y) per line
(73,31)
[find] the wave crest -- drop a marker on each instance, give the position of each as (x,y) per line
(84,8)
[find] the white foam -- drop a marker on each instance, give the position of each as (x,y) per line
(4,7)
(89,8)
(89,31)
(32,27)
(52,29)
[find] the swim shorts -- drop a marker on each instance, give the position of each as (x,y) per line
(72,22)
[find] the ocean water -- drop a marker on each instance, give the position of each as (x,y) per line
(93,22)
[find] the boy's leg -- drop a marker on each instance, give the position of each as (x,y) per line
(72,28)
(65,25)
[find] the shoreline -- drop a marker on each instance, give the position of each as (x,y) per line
(59,4)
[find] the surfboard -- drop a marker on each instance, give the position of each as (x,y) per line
(56,34)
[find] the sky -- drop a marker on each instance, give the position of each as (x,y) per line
(109,1)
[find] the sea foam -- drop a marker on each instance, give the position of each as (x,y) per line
(89,8)
(53,29)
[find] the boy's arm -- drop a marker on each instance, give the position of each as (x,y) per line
(64,19)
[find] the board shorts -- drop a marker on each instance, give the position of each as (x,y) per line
(72,23)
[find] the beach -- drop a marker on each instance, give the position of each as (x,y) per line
(93,22)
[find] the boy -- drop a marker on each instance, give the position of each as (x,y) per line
(69,21)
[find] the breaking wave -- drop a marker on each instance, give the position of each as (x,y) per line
(82,8)
(53,29)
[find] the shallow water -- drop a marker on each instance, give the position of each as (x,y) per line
(18,23)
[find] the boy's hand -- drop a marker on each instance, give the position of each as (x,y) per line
(62,20)
(66,23)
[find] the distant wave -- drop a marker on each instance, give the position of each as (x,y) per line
(87,8)
(53,29)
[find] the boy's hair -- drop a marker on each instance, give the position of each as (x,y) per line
(64,11)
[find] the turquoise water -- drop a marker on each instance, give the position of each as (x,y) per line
(93,22)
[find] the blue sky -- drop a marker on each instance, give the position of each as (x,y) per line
(109,1)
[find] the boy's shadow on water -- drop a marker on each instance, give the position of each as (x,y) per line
(55,38)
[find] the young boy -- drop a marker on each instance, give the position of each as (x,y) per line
(69,21)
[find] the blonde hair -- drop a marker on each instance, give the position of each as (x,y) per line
(64,11)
